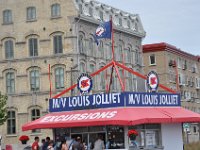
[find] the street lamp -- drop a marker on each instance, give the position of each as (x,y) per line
(71,69)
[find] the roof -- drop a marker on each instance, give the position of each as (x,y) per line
(156,47)
(114,116)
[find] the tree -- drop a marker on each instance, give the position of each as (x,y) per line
(3,111)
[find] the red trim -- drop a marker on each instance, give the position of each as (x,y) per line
(156,47)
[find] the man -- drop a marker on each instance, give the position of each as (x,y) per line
(78,145)
(46,144)
(35,145)
(99,144)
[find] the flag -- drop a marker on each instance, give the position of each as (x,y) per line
(104,30)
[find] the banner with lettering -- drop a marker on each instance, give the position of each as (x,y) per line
(108,100)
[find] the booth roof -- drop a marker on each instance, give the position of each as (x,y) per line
(113,116)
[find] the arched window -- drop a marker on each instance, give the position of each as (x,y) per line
(82,68)
(81,43)
(101,49)
(9,49)
(11,122)
(34,80)
(102,80)
(7,16)
(10,82)
(57,44)
(55,10)
(91,46)
(128,55)
(59,78)
(35,114)
(92,69)
(33,47)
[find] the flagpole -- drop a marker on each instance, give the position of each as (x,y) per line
(112,32)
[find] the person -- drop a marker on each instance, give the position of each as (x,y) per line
(46,144)
(70,143)
(35,145)
(99,144)
(78,145)
(50,146)
(42,144)
(64,145)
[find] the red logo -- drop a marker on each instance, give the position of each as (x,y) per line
(84,83)
(153,80)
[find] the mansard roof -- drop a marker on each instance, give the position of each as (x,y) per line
(121,19)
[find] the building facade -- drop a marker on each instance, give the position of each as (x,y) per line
(45,45)
(181,72)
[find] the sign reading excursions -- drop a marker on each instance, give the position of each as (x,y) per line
(108,100)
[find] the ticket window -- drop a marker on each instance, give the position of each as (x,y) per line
(115,137)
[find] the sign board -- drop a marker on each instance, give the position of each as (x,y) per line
(152,81)
(108,100)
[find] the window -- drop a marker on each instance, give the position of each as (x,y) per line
(11,122)
(59,78)
(101,50)
(34,80)
(91,11)
(92,69)
(128,55)
(55,10)
(120,52)
(128,24)
(137,57)
(35,114)
(7,16)
(9,52)
(149,135)
(80,8)
(101,15)
(120,21)
(102,82)
(10,82)
(31,13)
(57,44)
(81,44)
(33,47)
(91,46)
(152,59)
(82,68)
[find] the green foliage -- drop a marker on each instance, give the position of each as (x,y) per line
(3,111)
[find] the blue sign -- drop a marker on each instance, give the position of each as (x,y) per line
(108,100)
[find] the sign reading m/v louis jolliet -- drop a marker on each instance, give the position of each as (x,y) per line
(109,100)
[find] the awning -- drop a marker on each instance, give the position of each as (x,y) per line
(114,116)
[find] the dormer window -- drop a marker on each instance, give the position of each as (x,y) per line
(101,15)
(91,11)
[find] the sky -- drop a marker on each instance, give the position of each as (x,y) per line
(176,22)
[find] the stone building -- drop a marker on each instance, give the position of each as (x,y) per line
(43,41)
(181,72)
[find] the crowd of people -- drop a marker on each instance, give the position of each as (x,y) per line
(62,144)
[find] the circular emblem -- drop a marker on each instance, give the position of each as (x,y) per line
(84,83)
(152,81)
(100,30)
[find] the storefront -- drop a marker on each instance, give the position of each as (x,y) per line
(157,117)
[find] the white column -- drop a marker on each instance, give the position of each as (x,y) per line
(172,136)
(126,137)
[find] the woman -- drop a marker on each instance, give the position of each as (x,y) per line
(50,146)
(64,145)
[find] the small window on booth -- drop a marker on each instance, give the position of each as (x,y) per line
(152,59)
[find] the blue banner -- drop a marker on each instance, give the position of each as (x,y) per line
(103,100)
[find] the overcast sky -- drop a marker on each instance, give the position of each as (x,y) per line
(176,22)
